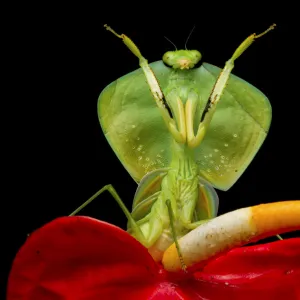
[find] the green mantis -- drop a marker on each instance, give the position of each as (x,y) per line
(180,131)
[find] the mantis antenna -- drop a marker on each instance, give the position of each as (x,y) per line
(189,37)
(171,42)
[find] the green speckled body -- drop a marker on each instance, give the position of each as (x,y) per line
(168,170)
(180,131)
(136,131)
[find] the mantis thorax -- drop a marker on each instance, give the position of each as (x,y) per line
(183,161)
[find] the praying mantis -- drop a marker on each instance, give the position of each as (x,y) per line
(180,131)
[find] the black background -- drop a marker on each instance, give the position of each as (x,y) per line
(61,58)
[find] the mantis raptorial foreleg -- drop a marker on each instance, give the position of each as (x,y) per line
(154,88)
(216,93)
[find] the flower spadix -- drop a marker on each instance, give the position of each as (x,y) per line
(231,230)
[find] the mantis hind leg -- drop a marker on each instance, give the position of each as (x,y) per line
(134,226)
(196,224)
(171,216)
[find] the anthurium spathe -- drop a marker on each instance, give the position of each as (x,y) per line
(83,258)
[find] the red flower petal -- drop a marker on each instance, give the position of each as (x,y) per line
(269,271)
(81,258)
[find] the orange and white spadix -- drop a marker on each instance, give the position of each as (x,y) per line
(232,230)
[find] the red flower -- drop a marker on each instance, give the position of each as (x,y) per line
(83,258)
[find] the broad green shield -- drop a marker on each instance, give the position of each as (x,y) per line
(137,133)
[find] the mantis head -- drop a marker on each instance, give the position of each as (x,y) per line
(182,59)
